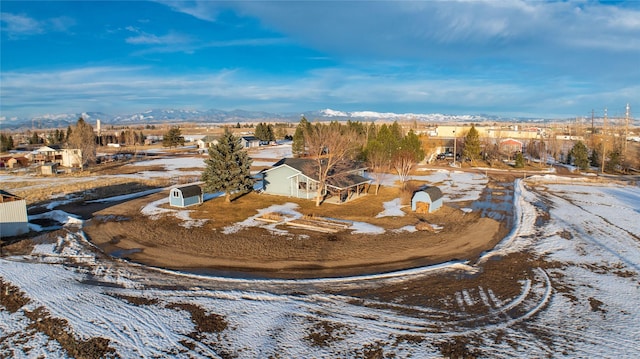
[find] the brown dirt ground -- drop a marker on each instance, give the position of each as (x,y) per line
(301,253)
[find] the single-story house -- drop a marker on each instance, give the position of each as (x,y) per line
(185,196)
(510,146)
(298,177)
(207,141)
(13,215)
(14,162)
(249,141)
(427,199)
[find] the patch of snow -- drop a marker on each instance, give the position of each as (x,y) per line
(392,208)
(287,209)
(363,227)
(405,229)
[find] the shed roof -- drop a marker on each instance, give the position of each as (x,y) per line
(190,191)
(8,197)
(434,192)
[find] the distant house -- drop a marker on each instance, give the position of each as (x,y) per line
(510,146)
(13,215)
(250,141)
(14,162)
(207,141)
(65,157)
(185,196)
(297,177)
(426,199)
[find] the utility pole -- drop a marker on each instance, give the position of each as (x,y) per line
(604,139)
(626,128)
(454,148)
(603,154)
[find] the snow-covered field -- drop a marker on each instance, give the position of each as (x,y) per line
(585,303)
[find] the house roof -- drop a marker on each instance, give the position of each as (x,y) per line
(511,141)
(50,148)
(305,165)
(209,138)
(346,181)
(250,138)
(190,191)
(308,166)
(434,192)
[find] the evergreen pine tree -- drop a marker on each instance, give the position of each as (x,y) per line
(173,138)
(298,144)
(35,139)
(594,159)
(580,155)
(228,167)
(614,159)
(69,131)
(6,142)
(412,143)
(519,160)
(471,148)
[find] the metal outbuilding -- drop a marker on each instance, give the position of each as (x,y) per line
(426,199)
(185,196)
(13,215)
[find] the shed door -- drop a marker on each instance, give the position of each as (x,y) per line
(422,207)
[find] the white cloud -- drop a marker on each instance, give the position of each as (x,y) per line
(20,25)
(123,89)
(151,39)
(203,10)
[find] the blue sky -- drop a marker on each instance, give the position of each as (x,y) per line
(502,57)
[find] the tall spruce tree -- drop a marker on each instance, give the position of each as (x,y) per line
(228,167)
(6,142)
(580,155)
(173,138)
(472,145)
(298,146)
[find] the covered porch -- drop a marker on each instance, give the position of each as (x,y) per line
(346,188)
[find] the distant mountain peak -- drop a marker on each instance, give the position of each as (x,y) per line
(169,115)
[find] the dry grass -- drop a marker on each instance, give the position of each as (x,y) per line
(362,209)
(34,192)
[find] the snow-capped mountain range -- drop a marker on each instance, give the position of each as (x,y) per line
(159,116)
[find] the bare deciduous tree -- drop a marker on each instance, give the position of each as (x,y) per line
(379,161)
(330,146)
(403,162)
(83,138)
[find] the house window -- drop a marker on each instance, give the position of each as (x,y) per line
(302,185)
(313,186)
(176,194)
